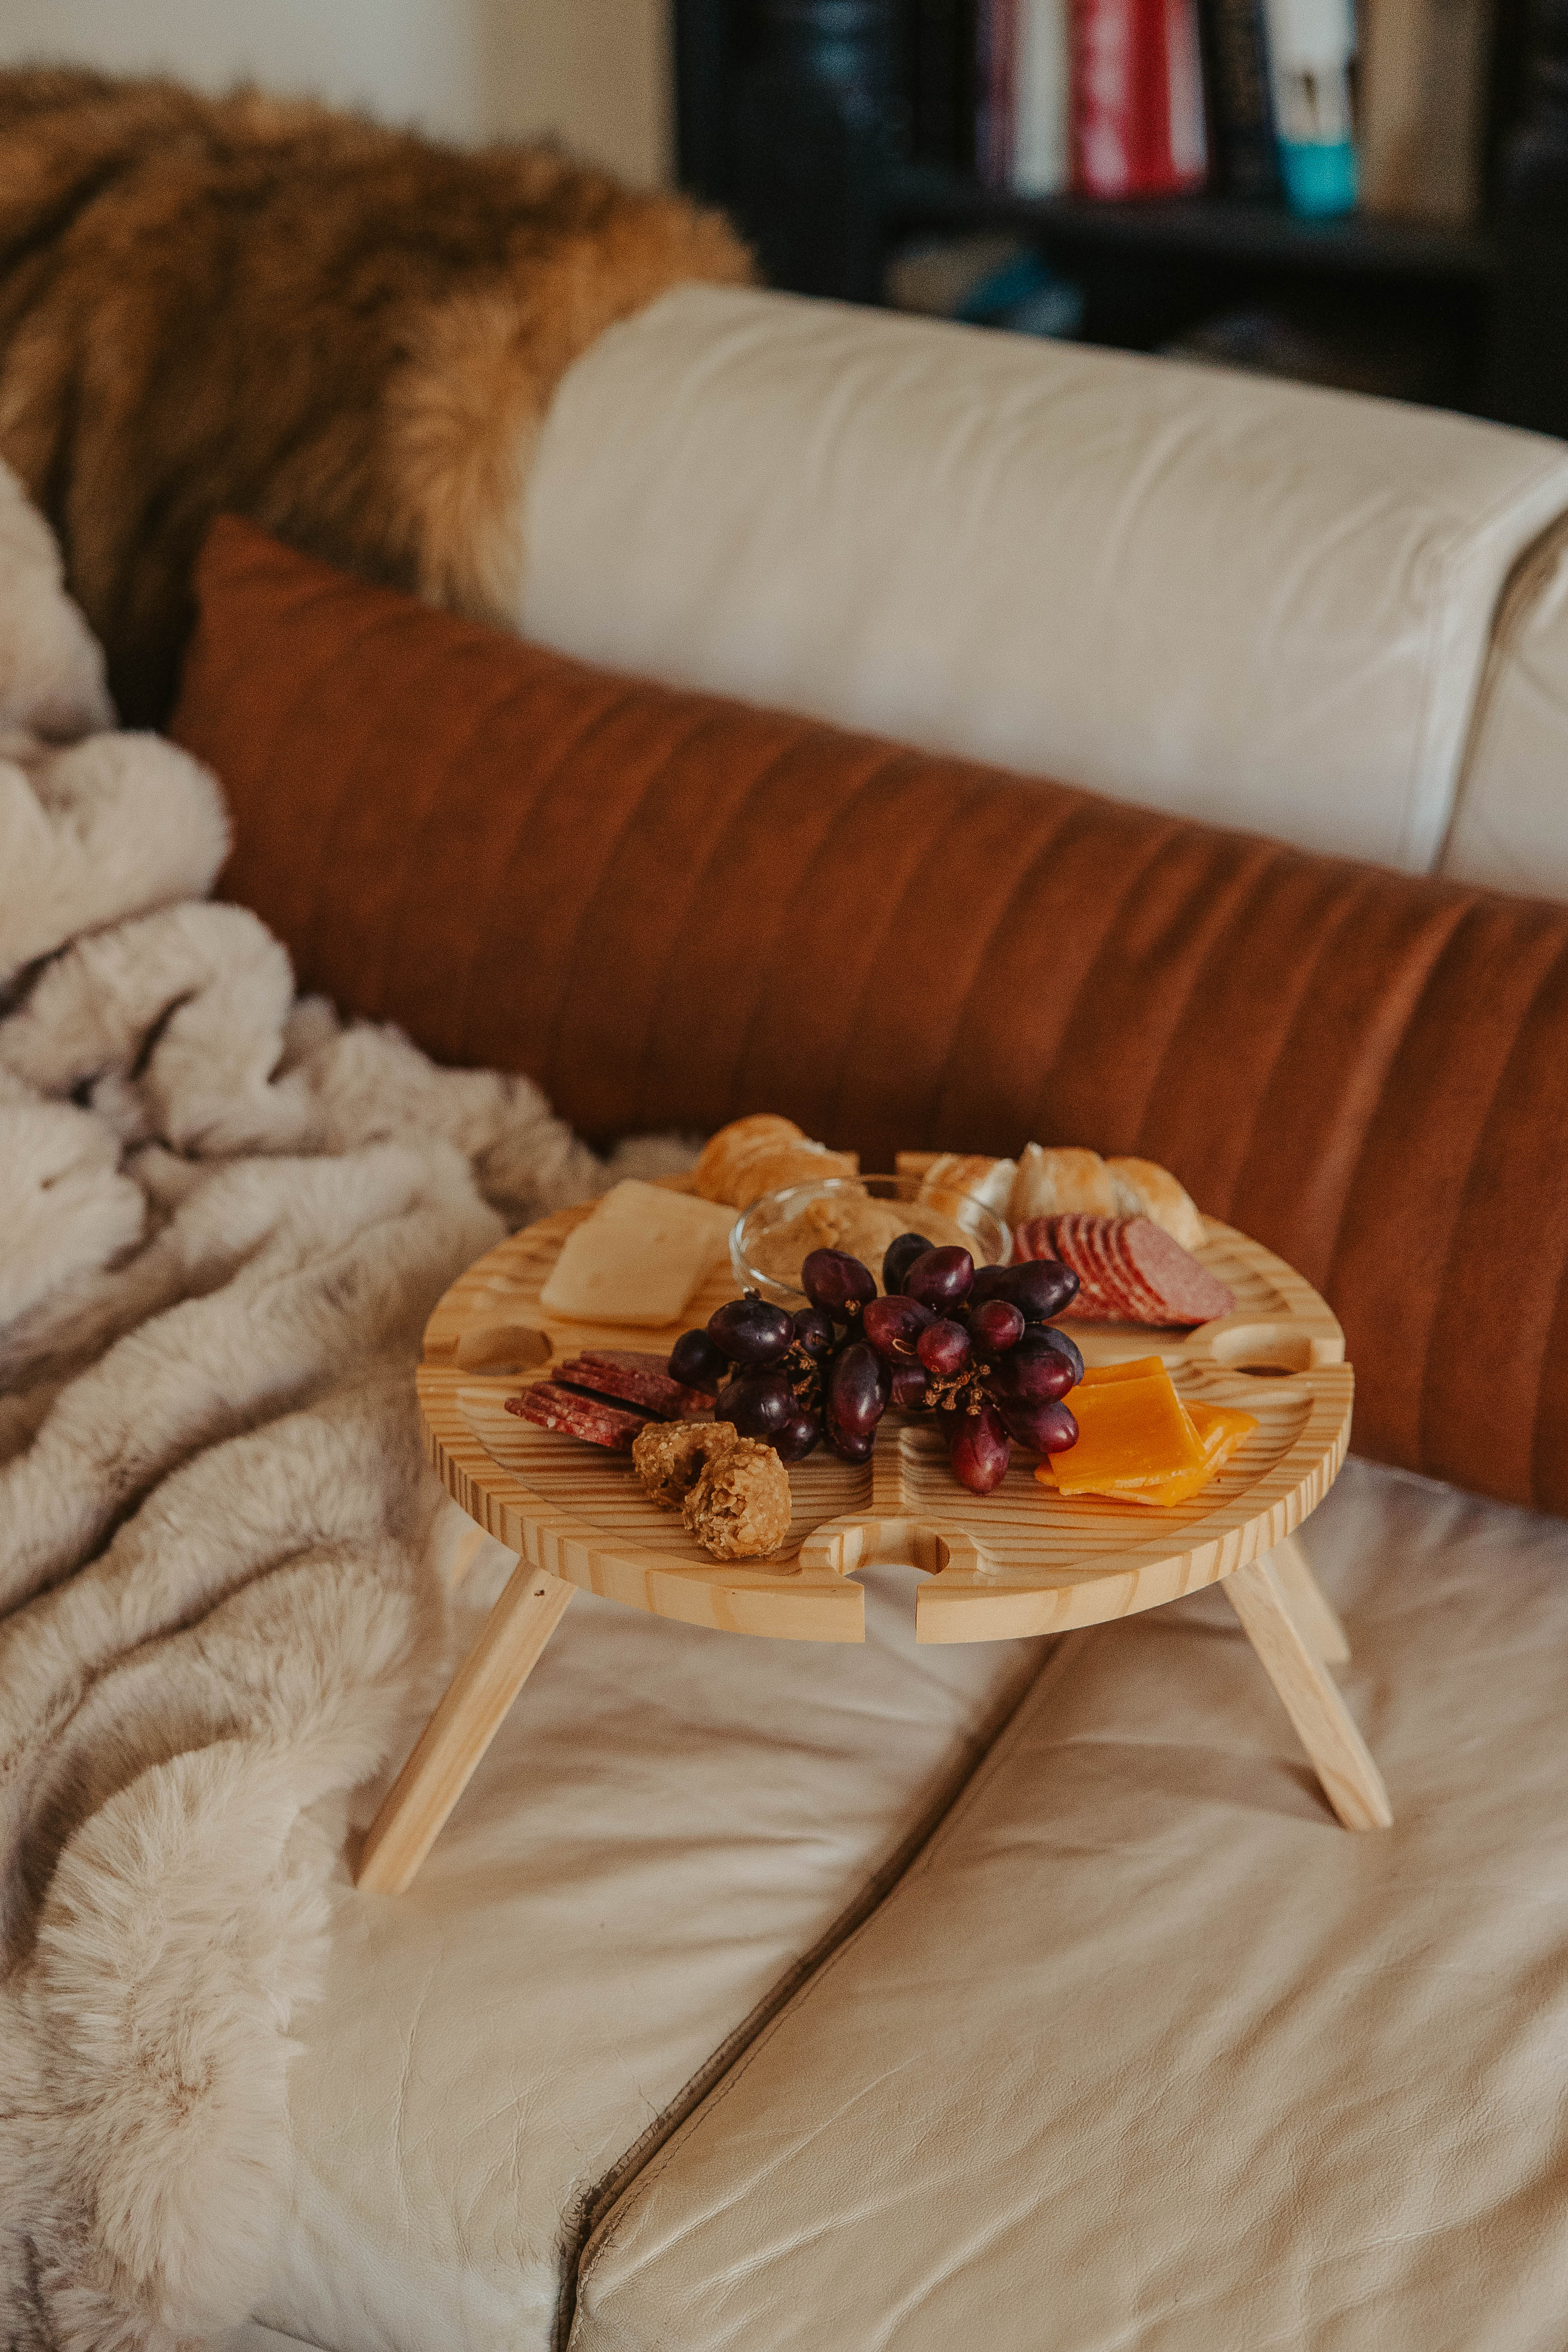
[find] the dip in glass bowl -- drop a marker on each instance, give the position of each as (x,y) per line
(860,1215)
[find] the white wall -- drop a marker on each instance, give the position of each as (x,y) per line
(596,71)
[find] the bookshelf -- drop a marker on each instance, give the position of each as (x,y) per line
(793,114)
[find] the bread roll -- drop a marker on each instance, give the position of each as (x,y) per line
(1056,1183)
(763,1153)
(989,1181)
(773,1168)
(1145,1189)
(714,1171)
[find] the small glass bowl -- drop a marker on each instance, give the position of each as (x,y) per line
(986,1236)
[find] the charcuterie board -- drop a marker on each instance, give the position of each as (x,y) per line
(1019,1561)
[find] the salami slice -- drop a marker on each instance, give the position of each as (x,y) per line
(637,1378)
(1187,1292)
(575,1415)
(1095,1237)
(1032,1239)
(1144,1304)
(1063,1237)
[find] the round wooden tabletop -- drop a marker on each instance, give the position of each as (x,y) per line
(1021,1561)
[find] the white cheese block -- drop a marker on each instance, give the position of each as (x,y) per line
(640,1255)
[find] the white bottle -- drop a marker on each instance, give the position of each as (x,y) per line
(1311,45)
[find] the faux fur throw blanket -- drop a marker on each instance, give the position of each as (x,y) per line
(348,333)
(224,1218)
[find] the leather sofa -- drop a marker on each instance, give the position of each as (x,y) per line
(1024,1994)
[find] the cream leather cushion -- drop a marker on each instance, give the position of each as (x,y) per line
(1240,600)
(667,1824)
(1146,2052)
(1510,827)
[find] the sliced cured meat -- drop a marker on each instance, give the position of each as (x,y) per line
(1096,1237)
(1129,1269)
(549,1407)
(1039,1237)
(1144,1304)
(637,1378)
(1188,1292)
(1076,1239)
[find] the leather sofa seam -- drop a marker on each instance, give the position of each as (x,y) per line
(1440,648)
(1516,601)
(929,1837)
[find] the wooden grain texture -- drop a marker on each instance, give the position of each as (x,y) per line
(1309,1604)
(1350,1780)
(1013,1563)
(450,1745)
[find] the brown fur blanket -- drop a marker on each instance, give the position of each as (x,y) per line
(347,332)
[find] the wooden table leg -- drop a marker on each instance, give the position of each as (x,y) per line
(1351,1781)
(457,1734)
(1310,1605)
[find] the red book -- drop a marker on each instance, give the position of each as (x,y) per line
(1137,98)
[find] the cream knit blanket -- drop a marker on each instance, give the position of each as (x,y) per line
(224,1218)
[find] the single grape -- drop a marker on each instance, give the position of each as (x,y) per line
(835,1282)
(759,1404)
(750,1330)
(696,1364)
(1033,1372)
(907,1387)
(848,1449)
(996,1326)
(857,1390)
(1048,1428)
(814,1332)
(941,1279)
(943,1348)
(894,1325)
(900,1256)
(1041,1287)
(795,1441)
(1067,1345)
(990,1282)
(979,1451)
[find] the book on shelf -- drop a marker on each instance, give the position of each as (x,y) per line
(1040,159)
(1423,107)
(1234,43)
(1136,98)
(997,48)
(1022,133)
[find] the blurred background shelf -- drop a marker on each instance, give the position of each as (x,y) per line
(1202,228)
(798,116)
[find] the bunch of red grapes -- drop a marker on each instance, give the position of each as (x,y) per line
(977,1349)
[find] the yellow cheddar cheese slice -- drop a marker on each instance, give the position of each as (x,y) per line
(1220,1430)
(1132,1432)
(1217,1429)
